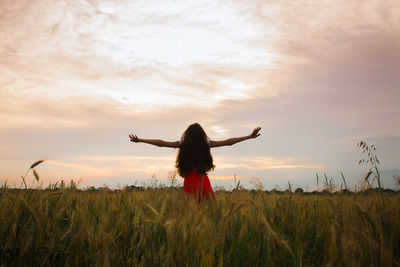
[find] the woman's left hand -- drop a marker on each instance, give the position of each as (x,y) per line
(134,138)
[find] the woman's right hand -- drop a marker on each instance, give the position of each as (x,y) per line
(255,133)
(134,138)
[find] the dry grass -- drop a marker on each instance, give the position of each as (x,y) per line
(159,228)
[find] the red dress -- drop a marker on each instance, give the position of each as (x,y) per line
(198,184)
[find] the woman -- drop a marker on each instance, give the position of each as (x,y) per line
(194,158)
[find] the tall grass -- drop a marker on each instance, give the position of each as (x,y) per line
(159,227)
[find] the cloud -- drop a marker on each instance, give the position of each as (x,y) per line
(142,167)
(97,49)
(260,163)
(77,77)
(333,43)
(227,178)
(127,165)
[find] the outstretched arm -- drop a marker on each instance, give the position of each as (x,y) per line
(232,141)
(156,142)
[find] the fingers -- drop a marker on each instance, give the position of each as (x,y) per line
(255,132)
(134,138)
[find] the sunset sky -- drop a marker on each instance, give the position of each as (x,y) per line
(77,77)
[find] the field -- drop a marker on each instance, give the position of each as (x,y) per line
(158,227)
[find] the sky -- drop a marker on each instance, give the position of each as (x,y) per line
(77,77)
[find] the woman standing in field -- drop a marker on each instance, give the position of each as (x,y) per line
(194,158)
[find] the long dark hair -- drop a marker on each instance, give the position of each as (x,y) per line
(194,152)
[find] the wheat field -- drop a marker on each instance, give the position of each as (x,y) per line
(159,227)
